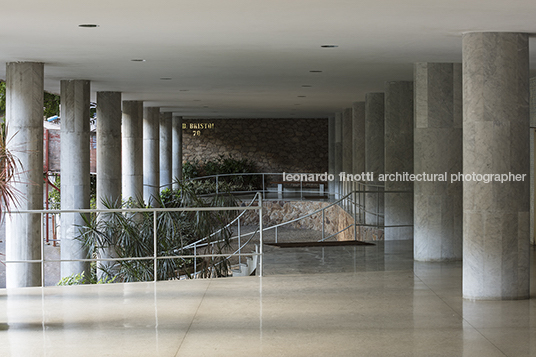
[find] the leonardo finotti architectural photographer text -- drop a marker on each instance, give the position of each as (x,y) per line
(405,176)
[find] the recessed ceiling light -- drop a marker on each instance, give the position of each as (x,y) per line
(184,90)
(329,46)
(205,106)
(306,86)
(315,71)
(88,26)
(137,60)
(165,79)
(301,96)
(197,100)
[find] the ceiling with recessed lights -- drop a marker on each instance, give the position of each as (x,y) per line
(243,58)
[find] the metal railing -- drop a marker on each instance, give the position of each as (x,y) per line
(155,257)
(359,199)
(270,183)
(355,202)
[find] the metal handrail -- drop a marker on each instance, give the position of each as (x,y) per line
(348,198)
(154,257)
(263,176)
(338,202)
(270,174)
(226,226)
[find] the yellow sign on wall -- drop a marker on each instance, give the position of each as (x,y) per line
(197,127)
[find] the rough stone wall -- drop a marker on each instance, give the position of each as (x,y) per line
(276,145)
(336,219)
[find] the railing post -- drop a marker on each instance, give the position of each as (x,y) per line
(363,200)
(263,188)
(260,238)
(323,220)
(239,243)
(217,184)
(42,253)
(378,207)
(195,261)
(355,193)
(155,264)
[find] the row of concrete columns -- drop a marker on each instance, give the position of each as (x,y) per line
(421,129)
(469,117)
(130,144)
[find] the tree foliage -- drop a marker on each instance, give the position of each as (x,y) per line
(51,102)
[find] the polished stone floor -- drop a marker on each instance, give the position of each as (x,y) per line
(333,301)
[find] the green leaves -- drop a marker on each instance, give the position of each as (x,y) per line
(224,165)
(9,168)
(132,235)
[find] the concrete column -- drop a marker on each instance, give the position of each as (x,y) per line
(338,154)
(165,150)
(75,176)
(151,154)
(358,137)
(24,123)
(438,150)
(176,135)
(532,158)
(132,150)
(347,145)
(346,151)
(399,159)
(108,163)
(331,154)
(358,155)
(108,148)
(374,154)
(495,141)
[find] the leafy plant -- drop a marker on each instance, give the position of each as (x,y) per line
(190,169)
(9,167)
(51,103)
(132,235)
(79,279)
(2,97)
(222,166)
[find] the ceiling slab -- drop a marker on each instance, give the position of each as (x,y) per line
(238,58)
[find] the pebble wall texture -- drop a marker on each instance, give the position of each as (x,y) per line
(276,145)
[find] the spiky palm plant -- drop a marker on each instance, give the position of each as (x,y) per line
(132,235)
(9,167)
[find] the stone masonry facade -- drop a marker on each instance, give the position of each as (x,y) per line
(275,145)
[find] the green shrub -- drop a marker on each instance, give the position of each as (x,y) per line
(79,279)
(222,166)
